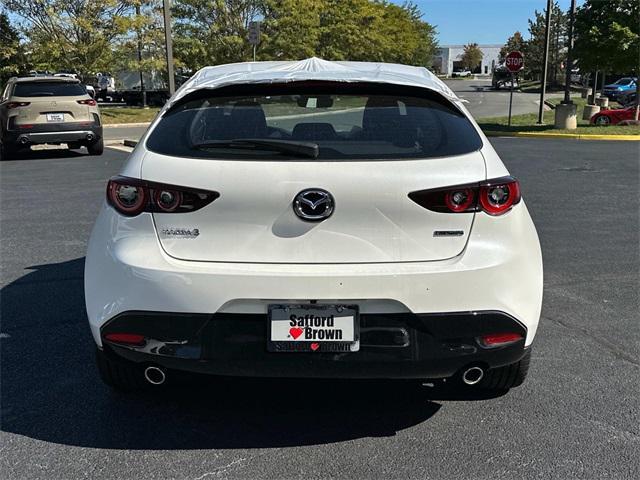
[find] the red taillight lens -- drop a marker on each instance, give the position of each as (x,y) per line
(497,197)
(131,196)
(91,102)
(125,338)
(499,339)
(494,197)
(11,105)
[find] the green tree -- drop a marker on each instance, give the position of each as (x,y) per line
(12,57)
(514,43)
(534,48)
(290,30)
(380,31)
(75,35)
(471,57)
(212,32)
(607,37)
(142,48)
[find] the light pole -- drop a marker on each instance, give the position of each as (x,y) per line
(143,92)
(168,45)
(569,65)
(545,62)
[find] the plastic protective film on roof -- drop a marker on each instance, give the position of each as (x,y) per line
(312,69)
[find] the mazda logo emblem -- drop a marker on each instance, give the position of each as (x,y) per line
(313,204)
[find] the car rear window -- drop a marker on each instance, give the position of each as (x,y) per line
(345,121)
(48,89)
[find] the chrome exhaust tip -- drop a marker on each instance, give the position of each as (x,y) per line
(154,375)
(473,375)
(90,136)
(24,140)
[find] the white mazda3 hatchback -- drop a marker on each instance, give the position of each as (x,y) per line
(314,219)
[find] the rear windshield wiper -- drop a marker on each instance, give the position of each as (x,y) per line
(306,149)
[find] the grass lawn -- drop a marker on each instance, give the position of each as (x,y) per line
(527,123)
(112,115)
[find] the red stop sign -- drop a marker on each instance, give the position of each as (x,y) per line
(514,62)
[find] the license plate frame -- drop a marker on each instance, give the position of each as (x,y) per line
(281,313)
(55,117)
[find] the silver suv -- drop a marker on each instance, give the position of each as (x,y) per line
(54,110)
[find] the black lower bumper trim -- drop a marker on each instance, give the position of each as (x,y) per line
(392,345)
(81,132)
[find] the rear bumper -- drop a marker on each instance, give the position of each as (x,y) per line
(55,133)
(391,345)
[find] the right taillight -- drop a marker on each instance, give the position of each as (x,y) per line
(131,197)
(494,197)
(498,196)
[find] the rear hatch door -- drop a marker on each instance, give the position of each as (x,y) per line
(254,221)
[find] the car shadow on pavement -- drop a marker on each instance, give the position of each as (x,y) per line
(45,154)
(51,390)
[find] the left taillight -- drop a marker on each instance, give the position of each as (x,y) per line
(495,197)
(91,102)
(12,105)
(131,197)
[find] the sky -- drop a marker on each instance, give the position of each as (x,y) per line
(481,21)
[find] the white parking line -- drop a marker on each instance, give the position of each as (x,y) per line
(122,148)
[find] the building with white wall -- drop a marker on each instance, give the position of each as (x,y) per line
(447,59)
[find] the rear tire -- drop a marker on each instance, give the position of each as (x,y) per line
(120,375)
(603,120)
(509,376)
(96,148)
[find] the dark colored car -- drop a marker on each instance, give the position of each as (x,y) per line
(620,87)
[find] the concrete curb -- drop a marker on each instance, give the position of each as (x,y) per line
(120,125)
(574,136)
(130,143)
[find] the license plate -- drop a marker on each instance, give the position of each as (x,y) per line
(313,328)
(55,117)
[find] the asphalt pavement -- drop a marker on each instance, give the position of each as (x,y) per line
(483,102)
(576,417)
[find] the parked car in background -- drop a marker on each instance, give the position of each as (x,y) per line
(627,99)
(48,109)
(576,76)
(613,116)
(66,74)
(461,73)
(106,88)
(621,87)
(90,90)
(392,243)
(501,77)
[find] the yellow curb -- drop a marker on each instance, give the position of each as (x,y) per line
(575,136)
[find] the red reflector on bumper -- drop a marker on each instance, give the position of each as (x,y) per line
(125,338)
(499,339)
